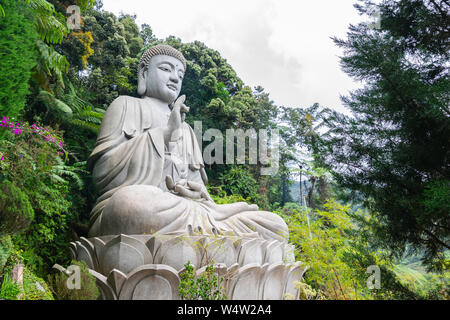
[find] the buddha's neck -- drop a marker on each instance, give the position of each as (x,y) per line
(161,105)
(160,111)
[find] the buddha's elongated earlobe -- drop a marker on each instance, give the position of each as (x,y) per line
(142,86)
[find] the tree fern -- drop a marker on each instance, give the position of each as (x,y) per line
(50,24)
(71,171)
(54,104)
(85,125)
(49,63)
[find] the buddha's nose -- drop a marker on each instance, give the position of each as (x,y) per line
(174,77)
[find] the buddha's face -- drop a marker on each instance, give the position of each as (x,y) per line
(163,78)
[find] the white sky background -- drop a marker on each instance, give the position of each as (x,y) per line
(282,45)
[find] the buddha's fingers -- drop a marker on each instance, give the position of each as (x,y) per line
(201,188)
(169,183)
(195,186)
(205,195)
(179,103)
(182,191)
(184,108)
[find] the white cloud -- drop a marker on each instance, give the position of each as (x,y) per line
(282,45)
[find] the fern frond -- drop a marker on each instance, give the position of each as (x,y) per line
(54,104)
(70,171)
(49,63)
(99,110)
(58,178)
(85,125)
(50,24)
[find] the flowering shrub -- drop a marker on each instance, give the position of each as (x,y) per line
(47,134)
(31,161)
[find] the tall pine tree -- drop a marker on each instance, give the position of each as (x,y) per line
(395,149)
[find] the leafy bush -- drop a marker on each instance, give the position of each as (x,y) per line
(16,212)
(205,286)
(34,287)
(18,43)
(31,161)
(338,253)
(6,247)
(88,288)
(9,290)
(239,181)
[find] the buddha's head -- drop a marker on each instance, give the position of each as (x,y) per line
(160,73)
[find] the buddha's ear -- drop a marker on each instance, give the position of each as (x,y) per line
(142,85)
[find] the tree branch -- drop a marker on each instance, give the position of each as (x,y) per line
(436,239)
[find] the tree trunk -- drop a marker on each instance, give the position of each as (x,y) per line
(17,277)
(301,190)
(310,193)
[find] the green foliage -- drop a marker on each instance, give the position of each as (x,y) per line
(16,212)
(49,63)
(427,286)
(34,287)
(9,290)
(239,181)
(392,154)
(32,164)
(17,40)
(50,24)
(205,286)
(436,196)
(338,253)
(88,287)
(396,146)
(220,196)
(6,248)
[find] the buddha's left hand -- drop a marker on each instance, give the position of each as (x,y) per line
(188,189)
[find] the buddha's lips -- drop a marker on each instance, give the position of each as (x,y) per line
(172,87)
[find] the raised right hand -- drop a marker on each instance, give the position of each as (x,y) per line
(173,130)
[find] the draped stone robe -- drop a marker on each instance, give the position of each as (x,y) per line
(129,165)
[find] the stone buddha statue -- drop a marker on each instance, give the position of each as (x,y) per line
(148,169)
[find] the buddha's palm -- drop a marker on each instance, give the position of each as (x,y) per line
(173,131)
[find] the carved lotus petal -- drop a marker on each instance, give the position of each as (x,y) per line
(274,252)
(105,289)
(123,253)
(151,282)
(273,282)
(289,253)
(295,273)
(116,279)
(83,254)
(245,283)
(220,250)
(250,251)
(73,250)
(175,252)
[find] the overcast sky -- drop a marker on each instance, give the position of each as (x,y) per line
(282,45)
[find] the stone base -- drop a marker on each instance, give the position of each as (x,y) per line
(148,267)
